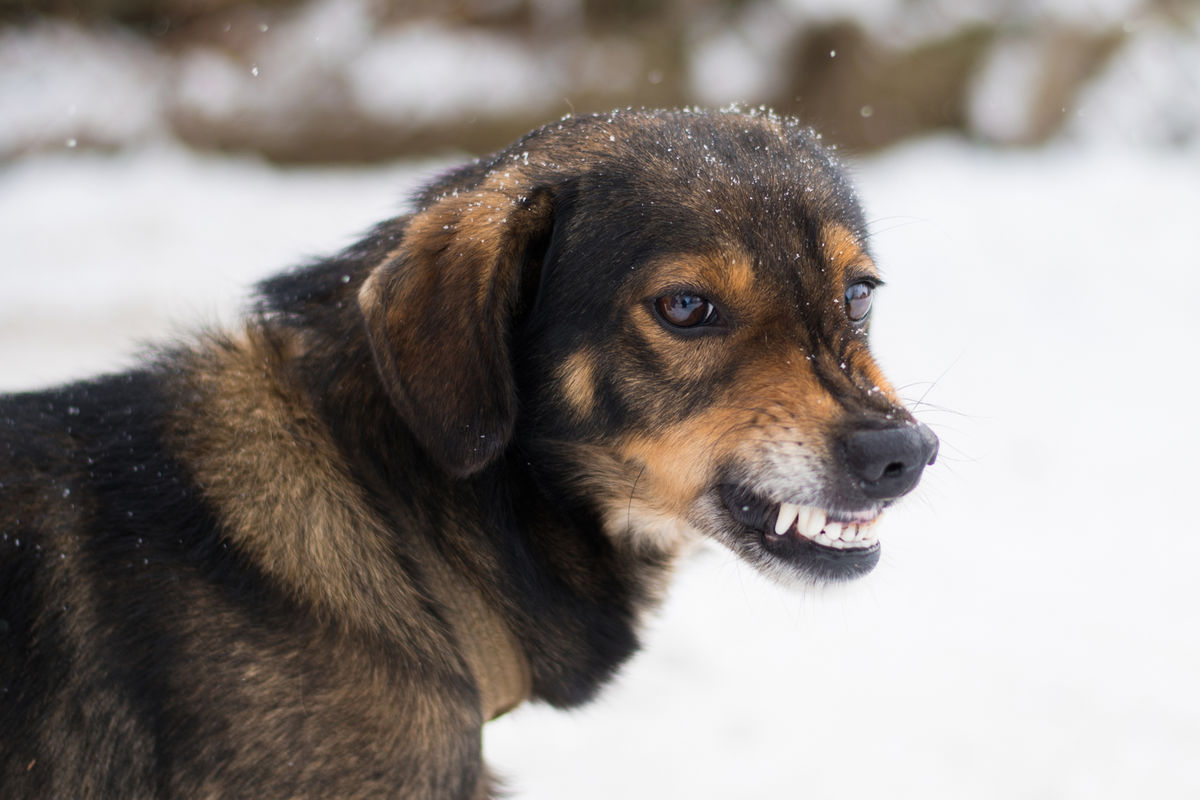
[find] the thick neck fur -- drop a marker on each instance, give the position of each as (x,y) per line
(564,588)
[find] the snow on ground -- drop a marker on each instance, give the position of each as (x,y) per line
(1030,631)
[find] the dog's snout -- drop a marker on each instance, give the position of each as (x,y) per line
(888,462)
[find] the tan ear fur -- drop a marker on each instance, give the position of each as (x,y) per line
(438,311)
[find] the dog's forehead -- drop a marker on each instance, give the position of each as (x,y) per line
(758,188)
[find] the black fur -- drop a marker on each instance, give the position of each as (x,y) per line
(471,403)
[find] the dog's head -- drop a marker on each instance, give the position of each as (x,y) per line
(671,309)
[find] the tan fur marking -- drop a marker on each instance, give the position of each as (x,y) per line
(268,466)
(370,293)
(467,227)
(655,478)
(727,274)
(472,226)
(680,461)
(735,277)
(865,365)
(843,250)
(577,376)
(493,653)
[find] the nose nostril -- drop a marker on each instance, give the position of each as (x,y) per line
(887,462)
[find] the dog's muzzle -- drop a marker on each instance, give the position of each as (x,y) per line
(836,539)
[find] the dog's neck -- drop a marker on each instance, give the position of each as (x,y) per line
(495,657)
(549,612)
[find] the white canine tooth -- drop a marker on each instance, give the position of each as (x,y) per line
(833,530)
(787,515)
(806,522)
(801,517)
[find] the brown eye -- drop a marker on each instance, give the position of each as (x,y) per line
(858,301)
(685,310)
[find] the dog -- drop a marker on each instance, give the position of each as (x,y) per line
(447,470)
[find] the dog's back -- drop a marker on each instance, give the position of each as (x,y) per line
(77,464)
(147,653)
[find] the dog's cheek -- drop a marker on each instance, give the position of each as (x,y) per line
(651,388)
(676,464)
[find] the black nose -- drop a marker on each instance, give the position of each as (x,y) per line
(887,462)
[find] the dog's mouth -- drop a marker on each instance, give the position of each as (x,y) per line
(817,542)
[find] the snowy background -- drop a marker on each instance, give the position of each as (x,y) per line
(1032,628)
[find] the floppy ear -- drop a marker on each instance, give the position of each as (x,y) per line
(438,312)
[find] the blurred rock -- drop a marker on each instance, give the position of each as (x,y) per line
(1030,81)
(869,94)
(362,80)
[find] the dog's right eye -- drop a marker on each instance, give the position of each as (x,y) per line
(858,301)
(686,310)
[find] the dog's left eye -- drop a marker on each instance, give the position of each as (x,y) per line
(858,301)
(686,310)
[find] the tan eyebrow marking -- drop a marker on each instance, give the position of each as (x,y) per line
(843,251)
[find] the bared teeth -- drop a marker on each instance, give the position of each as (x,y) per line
(787,517)
(811,520)
(813,524)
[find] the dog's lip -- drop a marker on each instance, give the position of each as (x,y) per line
(778,523)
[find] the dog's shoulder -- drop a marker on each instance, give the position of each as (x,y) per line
(191,529)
